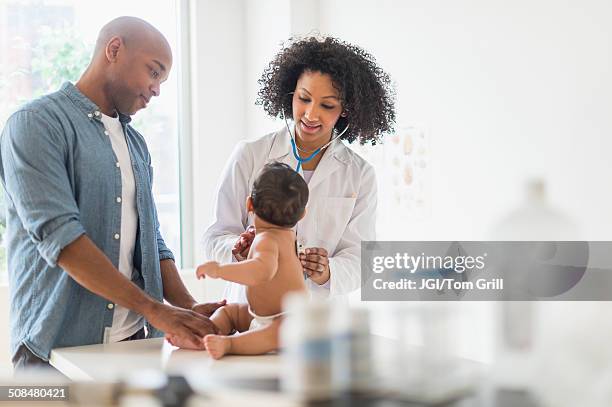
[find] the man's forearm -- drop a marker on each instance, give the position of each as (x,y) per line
(175,291)
(90,267)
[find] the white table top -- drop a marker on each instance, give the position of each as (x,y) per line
(107,362)
(117,361)
(122,360)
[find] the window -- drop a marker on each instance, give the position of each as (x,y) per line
(47,42)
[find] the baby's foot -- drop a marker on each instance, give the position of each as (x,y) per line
(185,343)
(217,345)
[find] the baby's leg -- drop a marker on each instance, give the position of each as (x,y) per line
(256,342)
(229,318)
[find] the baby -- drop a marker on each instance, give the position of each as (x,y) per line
(271,269)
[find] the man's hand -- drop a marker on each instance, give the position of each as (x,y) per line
(209,269)
(209,308)
(186,326)
(243,244)
(316,264)
(206,309)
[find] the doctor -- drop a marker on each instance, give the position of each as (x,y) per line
(326,91)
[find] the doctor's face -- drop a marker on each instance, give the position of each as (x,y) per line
(316,108)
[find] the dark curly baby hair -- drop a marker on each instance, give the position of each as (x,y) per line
(366,92)
(279,195)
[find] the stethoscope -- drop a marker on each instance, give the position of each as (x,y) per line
(295,148)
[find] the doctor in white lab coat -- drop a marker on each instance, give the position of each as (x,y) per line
(332,91)
(341,210)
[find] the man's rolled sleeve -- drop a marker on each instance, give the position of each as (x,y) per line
(164,252)
(54,243)
(33,158)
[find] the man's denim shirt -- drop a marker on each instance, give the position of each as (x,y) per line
(62,180)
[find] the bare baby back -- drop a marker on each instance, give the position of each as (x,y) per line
(266,298)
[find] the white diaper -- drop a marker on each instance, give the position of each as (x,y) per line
(260,322)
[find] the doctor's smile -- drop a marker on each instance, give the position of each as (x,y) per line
(309,128)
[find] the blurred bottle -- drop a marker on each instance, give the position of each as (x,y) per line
(428,368)
(534,220)
(352,371)
(306,349)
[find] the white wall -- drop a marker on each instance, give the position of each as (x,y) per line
(218,92)
(266,27)
(507,91)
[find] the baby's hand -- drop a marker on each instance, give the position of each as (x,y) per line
(208,269)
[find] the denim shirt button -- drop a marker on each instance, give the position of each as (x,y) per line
(110,306)
(116,236)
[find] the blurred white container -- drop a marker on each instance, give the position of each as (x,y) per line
(306,348)
(428,368)
(521,323)
(352,364)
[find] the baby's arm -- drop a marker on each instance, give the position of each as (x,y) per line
(261,267)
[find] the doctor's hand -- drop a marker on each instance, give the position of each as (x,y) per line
(316,264)
(208,269)
(243,244)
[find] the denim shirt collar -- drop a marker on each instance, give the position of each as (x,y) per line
(87,106)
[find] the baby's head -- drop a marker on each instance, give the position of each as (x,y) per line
(279,195)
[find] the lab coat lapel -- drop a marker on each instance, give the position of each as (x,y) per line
(332,160)
(281,150)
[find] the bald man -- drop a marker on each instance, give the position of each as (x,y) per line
(87,263)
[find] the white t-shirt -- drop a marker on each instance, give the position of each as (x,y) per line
(125,322)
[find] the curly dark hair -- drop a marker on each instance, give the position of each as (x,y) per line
(366,91)
(279,195)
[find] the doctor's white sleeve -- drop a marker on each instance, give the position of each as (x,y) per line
(345,264)
(230,214)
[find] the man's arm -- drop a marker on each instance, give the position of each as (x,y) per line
(81,257)
(175,291)
(260,268)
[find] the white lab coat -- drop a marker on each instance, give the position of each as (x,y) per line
(341,210)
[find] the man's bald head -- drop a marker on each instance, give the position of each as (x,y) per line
(134,32)
(131,60)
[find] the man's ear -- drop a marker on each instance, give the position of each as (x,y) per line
(112,48)
(249,205)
